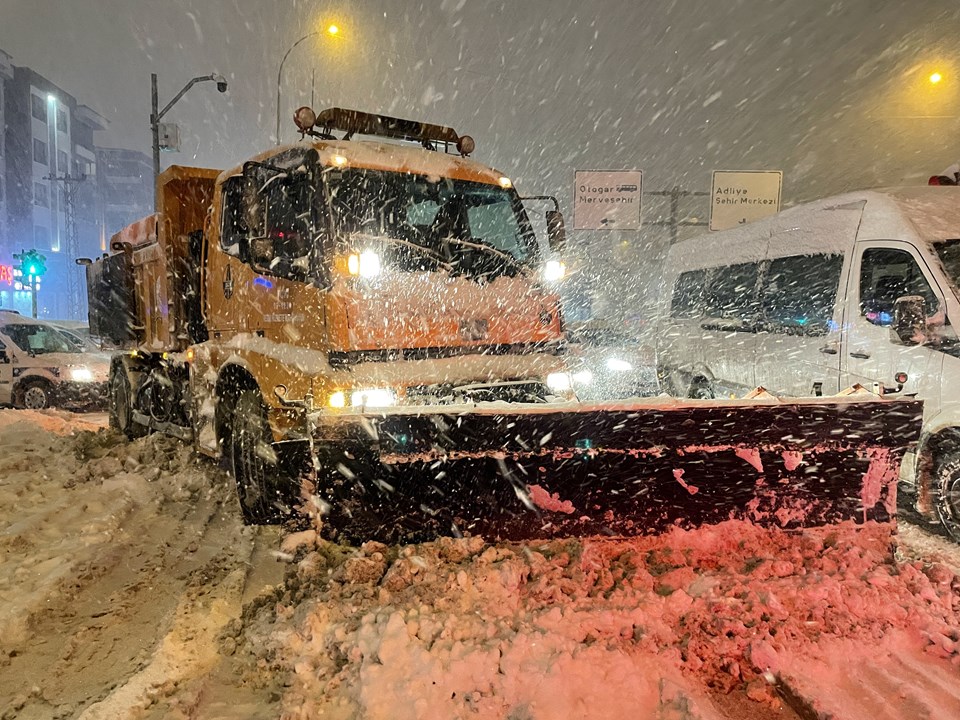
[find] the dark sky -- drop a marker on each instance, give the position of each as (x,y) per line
(834,94)
(828,92)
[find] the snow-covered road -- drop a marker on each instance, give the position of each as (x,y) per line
(129,589)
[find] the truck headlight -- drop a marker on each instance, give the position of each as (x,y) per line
(373,398)
(559,381)
(81,374)
(366,264)
(554,270)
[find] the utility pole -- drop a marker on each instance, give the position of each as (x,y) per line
(674,222)
(69,185)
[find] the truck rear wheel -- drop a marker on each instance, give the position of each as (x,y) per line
(253,460)
(947,485)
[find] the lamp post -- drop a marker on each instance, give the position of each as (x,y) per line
(156,116)
(331,30)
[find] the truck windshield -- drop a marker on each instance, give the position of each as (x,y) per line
(421,223)
(949,252)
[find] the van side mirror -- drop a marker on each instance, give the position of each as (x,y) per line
(910,320)
(556,234)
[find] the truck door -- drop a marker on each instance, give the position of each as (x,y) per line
(798,347)
(223,252)
(6,374)
(871,351)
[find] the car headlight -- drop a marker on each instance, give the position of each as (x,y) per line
(373,398)
(81,374)
(617,365)
(554,270)
(366,264)
(559,381)
(583,377)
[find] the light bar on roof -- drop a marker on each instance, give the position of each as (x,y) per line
(357,122)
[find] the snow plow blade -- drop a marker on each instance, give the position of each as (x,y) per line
(622,470)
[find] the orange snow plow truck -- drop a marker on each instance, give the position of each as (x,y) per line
(371,329)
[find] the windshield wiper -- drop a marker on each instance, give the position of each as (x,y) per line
(426,252)
(489,249)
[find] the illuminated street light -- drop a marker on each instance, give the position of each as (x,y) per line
(331,30)
(935,78)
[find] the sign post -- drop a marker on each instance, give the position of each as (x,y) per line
(738,198)
(607,200)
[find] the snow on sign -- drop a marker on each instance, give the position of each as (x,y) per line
(607,200)
(741,197)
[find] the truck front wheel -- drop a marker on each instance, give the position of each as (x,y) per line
(253,460)
(121,405)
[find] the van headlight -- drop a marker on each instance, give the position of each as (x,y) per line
(373,398)
(559,381)
(81,374)
(618,365)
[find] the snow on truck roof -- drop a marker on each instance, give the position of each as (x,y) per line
(390,157)
(921,214)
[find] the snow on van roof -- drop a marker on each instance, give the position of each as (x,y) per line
(919,214)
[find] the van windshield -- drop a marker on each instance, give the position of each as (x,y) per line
(949,252)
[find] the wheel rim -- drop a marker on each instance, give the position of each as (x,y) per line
(950,504)
(701,392)
(35,398)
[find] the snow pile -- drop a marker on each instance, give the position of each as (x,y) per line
(593,627)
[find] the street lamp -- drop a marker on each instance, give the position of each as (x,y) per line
(157,116)
(331,30)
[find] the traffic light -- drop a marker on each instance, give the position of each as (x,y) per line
(32,263)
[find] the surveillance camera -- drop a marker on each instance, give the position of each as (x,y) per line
(221,83)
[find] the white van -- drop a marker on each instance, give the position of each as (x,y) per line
(857,288)
(40,367)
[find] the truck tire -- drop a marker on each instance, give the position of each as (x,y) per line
(35,394)
(947,493)
(121,405)
(252,460)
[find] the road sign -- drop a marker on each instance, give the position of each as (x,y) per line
(607,200)
(738,198)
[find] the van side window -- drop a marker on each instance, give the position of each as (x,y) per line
(733,292)
(887,274)
(799,293)
(688,294)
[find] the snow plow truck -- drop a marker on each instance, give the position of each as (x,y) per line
(370,329)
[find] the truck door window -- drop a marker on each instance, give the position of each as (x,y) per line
(688,293)
(234,231)
(799,293)
(887,274)
(732,292)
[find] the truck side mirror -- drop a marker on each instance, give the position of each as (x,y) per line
(556,234)
(910,320)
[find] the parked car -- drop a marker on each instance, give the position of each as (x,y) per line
(41,367)
(609,364)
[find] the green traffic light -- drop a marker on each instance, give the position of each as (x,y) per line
(33,269)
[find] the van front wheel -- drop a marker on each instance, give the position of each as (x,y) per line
(947,485)
(700,389)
